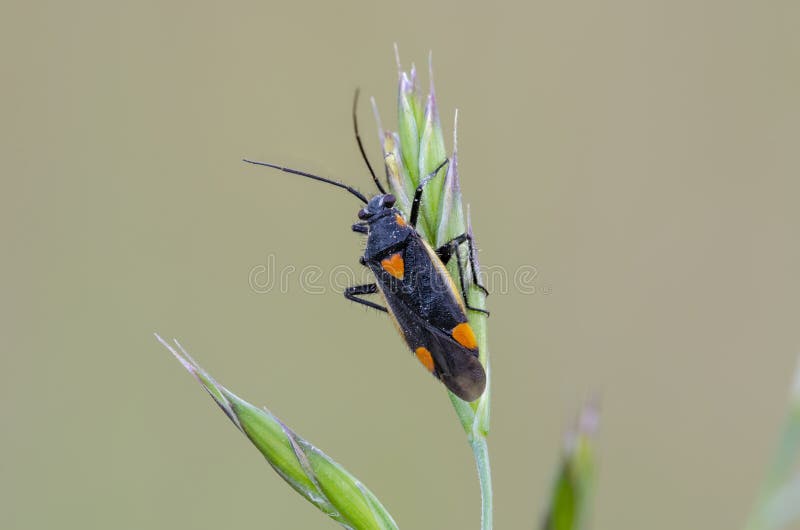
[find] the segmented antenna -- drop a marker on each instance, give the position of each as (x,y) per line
(311,176)
(361,146)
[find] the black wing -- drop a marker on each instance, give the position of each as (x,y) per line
(426,307)
(456,366)
(424,287)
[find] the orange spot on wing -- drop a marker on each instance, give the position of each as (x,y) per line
(394,265)
(400,220)
(425,357)
(465,336)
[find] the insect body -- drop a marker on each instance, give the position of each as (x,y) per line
(420,295)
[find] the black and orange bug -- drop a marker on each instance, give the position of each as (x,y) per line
(420,295)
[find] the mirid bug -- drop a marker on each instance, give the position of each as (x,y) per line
(420,295)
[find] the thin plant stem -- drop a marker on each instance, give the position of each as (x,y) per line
(480,450)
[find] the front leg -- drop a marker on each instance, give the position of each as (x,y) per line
(418,193)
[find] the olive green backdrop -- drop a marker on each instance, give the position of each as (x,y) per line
(641,157)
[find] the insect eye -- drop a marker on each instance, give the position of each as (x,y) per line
(363,214)
(389,200)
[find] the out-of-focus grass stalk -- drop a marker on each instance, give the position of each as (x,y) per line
(311,473)
(574,483)
(778,502)
(415,150)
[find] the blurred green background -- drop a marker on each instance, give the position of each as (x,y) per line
(642,157)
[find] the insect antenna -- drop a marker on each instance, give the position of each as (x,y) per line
(336,183)
(361,145)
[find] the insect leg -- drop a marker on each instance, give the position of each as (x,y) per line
(446,251)
(354,292)
(418,193)
(360,228)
